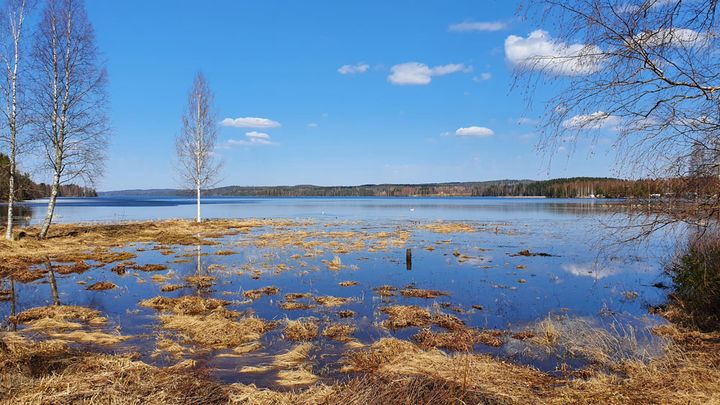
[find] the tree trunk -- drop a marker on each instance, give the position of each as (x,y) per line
(197,219)
(11,196)
(51,206)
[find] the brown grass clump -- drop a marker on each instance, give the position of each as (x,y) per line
(62,313)
(150,267)
(385,290)
(200,281)
(421,293)
(207,322)
(256,294)
(186,305)
(50,373)
(172,287)
(346,313)
(492,381)
(78,268)
(293,306)
(447,321)
(403,316)
(216,330)
(330,301)
(102,285)
(291,297)
(341,332)
(459,340)
(348,283)
(301,329)
(448,227)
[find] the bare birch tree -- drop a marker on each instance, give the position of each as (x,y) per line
(645,73)
(69,104)
(196,143)
(13,37)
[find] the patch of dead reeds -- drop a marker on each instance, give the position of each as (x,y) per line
(342,332)
(256,294)
(301,329)
(101,286)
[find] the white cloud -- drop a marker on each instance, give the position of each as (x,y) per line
(312,125)
(478,26)
(252,138)
(249,122)
(539,51)
(589,270)
(353,69)
(483,77)
(415,73)
(526,121)
(596,120)
(675,37)
(479,132)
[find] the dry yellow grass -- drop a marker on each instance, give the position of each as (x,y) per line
(394,372)
(342,332)
(61,313)
(256,294)
(403,316)
(206,322)
(447,227)
(101,285)
(301,329)
(76,243)
(421,293)
(330,301)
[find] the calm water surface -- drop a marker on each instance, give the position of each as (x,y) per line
(478,269)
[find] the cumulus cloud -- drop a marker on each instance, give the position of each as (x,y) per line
(478,26)
(539,51)
(596,120)
(312,125)
(249,122)
(415,73)
(478,132)
(252,138)
(353,69)
(674,37)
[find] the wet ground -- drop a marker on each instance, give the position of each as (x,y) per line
(497,275)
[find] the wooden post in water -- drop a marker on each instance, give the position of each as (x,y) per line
(408,259)
(53,284)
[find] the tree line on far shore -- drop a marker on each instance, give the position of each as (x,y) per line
(27,189)
(575,187)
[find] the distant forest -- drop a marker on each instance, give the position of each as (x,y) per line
(27,189)
(557,188)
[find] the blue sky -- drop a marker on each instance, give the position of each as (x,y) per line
(370,122)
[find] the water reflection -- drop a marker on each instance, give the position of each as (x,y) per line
(22,214)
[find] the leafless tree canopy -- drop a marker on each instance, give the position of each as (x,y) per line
(69,106)
(196,143)
(648,71)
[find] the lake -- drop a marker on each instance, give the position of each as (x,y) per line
(509,264)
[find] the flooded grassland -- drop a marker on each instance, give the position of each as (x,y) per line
(336,311)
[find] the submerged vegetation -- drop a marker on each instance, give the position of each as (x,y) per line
(422,346)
